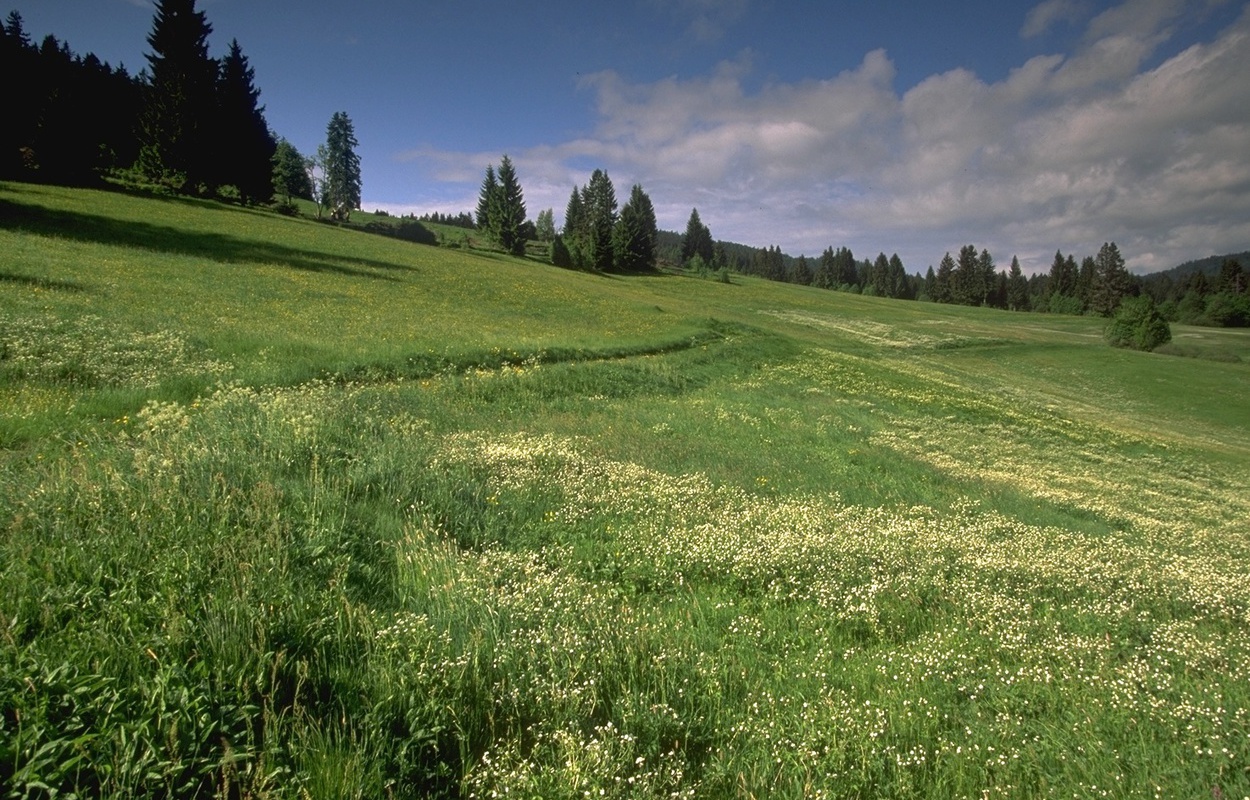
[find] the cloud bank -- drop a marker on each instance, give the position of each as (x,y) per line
(1067,152)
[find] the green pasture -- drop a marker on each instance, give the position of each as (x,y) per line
(295,510)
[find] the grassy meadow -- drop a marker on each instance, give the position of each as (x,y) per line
(294,511)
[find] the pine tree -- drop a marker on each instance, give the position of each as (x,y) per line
(560,255)
(848,269)
(1017,287)
(966,288)
(508,216)
(987,280)
(697,240)
(635,234)
(879,276)
(930,284)
(177,121)
(943,284)
(487,199)
(576,230)
(243,143)
(1111,280)
(599,199)
(827,273)
(802,274)
(899,286)
(342,167)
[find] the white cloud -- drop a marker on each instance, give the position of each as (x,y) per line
(1044,16)
(1066,152)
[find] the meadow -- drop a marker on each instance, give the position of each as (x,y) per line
(294,511)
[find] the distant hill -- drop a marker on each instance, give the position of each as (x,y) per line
(1209,265)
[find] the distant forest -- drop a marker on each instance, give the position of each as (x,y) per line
(193,124)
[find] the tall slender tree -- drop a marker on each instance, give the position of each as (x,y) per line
(508,216)
(342,167)
(1017,287)
(599,201)
(176,125)
(943,283)
(487,198)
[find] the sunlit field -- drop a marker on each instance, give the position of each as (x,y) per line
(288,510)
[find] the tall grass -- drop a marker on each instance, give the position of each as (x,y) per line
(817,546)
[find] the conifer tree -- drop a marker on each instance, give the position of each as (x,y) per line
(176,125)
(1017,287)
(697,240)
(599,200)
(1111,280)
(244,145)
(943,284)
(802,274)
(826,276)
(575,229)
(342,167)
(899,286)
(487,198)
(508,214)
(879,277)
(635,234)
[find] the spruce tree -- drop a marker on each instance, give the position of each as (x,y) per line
(879,277)
(244,145)
(1017,287)
(635,234)
(697,240)
(599,199)
(802,274)
(508,215)
(176,124)
(342,167)
(899,287)
(826,276)
(1111,280)
(575,229)
(487,199)
(943,283)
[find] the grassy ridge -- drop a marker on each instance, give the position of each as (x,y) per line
(297,511)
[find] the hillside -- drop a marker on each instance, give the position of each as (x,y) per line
(292,510)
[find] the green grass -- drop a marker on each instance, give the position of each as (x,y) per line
(292,510)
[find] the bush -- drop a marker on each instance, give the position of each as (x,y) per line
(1138,325)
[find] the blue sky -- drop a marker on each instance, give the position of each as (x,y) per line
(908,127)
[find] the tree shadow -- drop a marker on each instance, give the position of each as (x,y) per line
(221,247)
(39,283)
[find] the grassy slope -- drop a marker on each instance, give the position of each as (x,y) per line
(801,541)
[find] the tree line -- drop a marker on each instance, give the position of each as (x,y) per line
(188,122)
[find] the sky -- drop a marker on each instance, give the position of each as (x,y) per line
(886,126)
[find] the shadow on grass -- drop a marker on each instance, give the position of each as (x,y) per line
(220,247)
(39,283)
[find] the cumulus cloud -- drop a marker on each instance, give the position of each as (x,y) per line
(1066,152)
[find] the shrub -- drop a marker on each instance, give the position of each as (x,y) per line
(1137,324)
